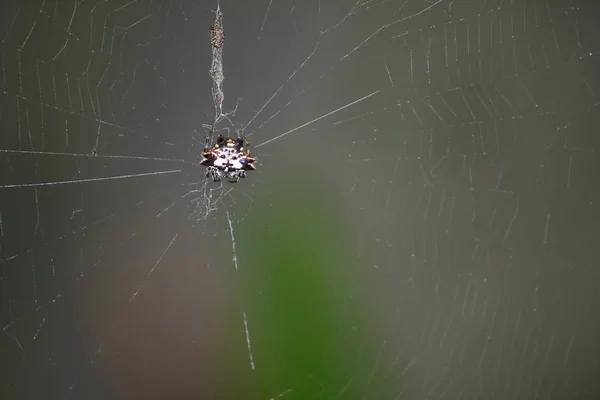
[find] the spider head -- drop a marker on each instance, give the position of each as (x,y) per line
(228,159)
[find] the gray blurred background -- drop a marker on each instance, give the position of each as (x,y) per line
(436,240)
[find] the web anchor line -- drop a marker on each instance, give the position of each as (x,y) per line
(235,263)
(217,40)
(231,148)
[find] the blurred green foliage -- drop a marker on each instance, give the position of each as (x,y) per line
(296,247)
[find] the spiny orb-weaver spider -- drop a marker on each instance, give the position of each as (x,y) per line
(228,158)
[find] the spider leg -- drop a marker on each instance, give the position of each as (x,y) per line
(209,137)
(213,173)
(221,139)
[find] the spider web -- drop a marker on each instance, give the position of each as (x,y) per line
(421,223)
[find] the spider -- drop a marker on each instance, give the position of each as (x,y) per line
(228,158)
